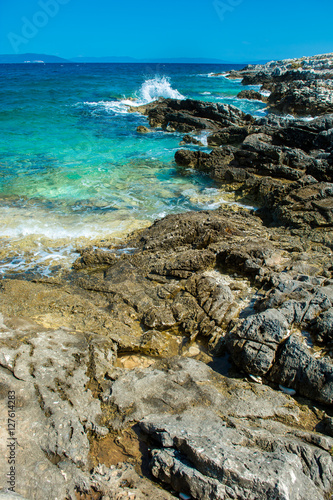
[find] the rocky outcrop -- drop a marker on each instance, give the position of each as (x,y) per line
(55,376)
(299,86)
(194,287)
(252,95)
(174,356)
(227,437)
(190,115)
(316,98)
(283,165)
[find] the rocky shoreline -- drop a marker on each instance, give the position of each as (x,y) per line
(195,360)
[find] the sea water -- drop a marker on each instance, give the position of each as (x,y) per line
(74,170)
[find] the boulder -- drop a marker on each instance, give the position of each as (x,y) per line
(295,367)
(254,344)
(252,95)
(141,129)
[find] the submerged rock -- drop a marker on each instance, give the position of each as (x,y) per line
(141,129)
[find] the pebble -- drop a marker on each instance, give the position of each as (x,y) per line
(183,496)
(193,351)
(255,378)
(287,390)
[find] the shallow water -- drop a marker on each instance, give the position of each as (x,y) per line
(74,169)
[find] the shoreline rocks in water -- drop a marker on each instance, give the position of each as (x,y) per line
(165,362)
(302,86)
(252,94)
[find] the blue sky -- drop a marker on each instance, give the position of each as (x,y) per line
(232,30)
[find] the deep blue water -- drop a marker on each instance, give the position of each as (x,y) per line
(72,165)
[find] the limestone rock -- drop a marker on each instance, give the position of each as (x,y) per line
(311,377)
(253,345)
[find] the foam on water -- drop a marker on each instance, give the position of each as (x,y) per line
(151,90)
(154,88)
(217,75)
(301,118)
(85,175)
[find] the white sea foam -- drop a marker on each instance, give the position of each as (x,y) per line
(218,75)
(301,118)
(157,87)
(202,137)
(151,90)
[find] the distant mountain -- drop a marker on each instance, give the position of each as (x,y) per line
(31,58)
(188,60)
(38,58)
(110,59)
(163,60)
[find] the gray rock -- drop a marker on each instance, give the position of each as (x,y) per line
(295,367)
(209,458)
(10,495)
(322,326)
(254,343)
(54,408)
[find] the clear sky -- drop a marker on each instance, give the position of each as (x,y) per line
(232,30)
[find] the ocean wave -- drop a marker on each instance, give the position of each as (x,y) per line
(151,90)
(301,118)
(154,88)
(218,75)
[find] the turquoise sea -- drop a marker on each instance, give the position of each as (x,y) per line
(73,169)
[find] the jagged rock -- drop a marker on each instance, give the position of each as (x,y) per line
(189,115)
(253,345)
(229,135)
(220,436)
(188,139)
(50,372)
(92,257)
(322,327)
(247,462)
(251,94)
(313,99)
(295,367)
(310,205)
(302,86)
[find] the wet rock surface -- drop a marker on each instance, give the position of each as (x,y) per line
(194,359)
(191,115)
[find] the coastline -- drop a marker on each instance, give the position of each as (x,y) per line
(204,339)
